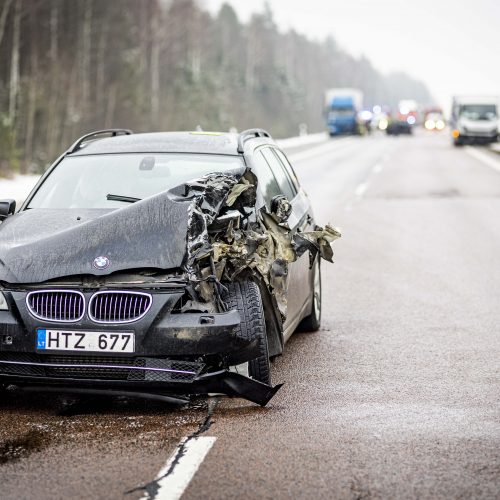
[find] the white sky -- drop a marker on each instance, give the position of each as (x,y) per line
(451,45)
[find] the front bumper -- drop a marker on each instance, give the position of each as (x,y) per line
(478,137)
(175,353)
(339,128)
(220,382)
(161,332)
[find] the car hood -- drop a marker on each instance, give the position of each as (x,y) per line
(42,244)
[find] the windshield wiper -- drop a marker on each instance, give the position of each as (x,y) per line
(118,197)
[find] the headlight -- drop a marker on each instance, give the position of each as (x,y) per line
(3,303)
(382,124)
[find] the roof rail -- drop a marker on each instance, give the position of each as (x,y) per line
(251,133)
(95,135)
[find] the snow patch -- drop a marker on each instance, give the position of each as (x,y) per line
(17,188)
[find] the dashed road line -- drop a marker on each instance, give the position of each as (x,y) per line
(173,479)
(181,467)
(483,158)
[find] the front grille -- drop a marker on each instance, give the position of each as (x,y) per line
(19,364)
(111,372)
(99,367)
(179,371)
(56,305)
(119,307)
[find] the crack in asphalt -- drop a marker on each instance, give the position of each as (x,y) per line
(152,488)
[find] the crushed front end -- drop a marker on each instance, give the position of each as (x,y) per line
(164,328)
(152,339)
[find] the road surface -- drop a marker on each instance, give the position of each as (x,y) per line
(397,396)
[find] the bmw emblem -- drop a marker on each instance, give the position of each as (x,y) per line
(101,263)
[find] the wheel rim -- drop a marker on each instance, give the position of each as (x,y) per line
(317,293)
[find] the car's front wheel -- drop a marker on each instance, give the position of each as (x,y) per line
(245,298)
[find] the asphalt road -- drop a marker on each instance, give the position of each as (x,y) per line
(397,396)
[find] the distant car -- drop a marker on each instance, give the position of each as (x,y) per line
(151,264)
(434,121)
(397,127)
(380,121)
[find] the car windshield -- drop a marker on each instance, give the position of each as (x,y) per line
(479,111)
(113,180)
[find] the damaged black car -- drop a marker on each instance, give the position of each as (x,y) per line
(159,265)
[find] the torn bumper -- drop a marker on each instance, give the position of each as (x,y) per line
(176,354)
(183,335)
(202,334)
(221,382)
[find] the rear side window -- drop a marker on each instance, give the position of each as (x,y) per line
(265,176)
(289,169)
(281,176)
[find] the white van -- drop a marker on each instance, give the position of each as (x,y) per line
(474,120)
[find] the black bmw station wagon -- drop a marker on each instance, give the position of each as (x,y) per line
(159,265)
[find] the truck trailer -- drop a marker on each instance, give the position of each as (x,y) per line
(341,108)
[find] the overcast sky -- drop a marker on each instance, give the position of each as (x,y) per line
(451,45)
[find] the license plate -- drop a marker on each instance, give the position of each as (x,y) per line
(64,340)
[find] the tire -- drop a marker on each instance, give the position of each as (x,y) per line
(312,322)
(457,143)
(245,298)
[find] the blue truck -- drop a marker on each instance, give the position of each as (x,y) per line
(341,108)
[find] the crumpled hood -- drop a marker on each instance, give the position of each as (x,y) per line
(43,244)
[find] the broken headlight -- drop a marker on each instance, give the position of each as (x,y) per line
(3,303)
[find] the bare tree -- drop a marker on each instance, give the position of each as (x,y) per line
(73,66)
(14,62)
(3,17)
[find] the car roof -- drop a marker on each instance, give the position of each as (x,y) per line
(169,142)
(469,99)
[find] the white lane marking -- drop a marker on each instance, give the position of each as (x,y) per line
(331,145)
(360,190)
(377,168)
(188,457)
(483,157)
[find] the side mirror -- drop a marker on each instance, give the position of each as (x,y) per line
(281,208)
(7,207)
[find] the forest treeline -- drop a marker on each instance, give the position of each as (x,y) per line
(71,66)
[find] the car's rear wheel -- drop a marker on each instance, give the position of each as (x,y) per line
(312,322)
(245,298)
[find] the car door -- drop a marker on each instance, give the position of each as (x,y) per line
(305,222)
(299,284)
